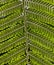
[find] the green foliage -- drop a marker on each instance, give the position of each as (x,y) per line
(26,32)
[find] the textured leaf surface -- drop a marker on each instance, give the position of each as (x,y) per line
(26,32)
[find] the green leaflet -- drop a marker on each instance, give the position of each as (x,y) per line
(40,30)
